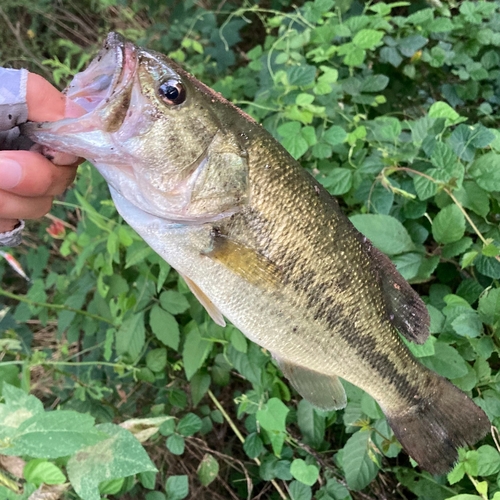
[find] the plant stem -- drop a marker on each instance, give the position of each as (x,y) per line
(12,485)
(239,435)
(452,196)
(63,307)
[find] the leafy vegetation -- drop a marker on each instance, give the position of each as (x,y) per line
(394,108)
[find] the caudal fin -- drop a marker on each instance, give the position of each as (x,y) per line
(432,430)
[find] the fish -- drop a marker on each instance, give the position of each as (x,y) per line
(261,243)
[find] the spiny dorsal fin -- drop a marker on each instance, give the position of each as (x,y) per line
(213,312)
(405,308)
(323,391)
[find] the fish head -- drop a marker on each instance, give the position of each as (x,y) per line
(162,140)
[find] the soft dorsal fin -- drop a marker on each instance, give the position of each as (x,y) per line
(213,312)
(322,391)
(405,308)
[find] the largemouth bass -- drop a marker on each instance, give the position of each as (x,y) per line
(261,243)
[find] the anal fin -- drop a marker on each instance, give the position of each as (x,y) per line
(213,312)
(321,390)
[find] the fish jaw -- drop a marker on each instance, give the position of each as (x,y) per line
(106,84)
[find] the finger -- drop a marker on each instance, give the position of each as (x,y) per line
(7,225)
(46,103)
(13,206)
(29,174)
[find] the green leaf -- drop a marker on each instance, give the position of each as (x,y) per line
(208,470)
(386,129)
(299,491)
(334,135)
(339,181)
(168,427)
(253,445)
(137,253)
(408,264)
(118,456)
(196,350)
(486,171)
(165,327)
(111,487)
(468,325)
(374,83)
(449,225)
(385,232)
(176,444)
(440,25)
(456,248)
(304,99)
(40,471)
(301,75)
(306,474)
(293,141)
(367,38)
(441,109)
(17,409)
(200,383)
(443,157)
(427,348)
(466,139)
(488,460)
(53,434)
(465,496)
(370,407)
(358,461)
(489,306)
(155,495)
(189,424)
(238,340)
(457,473)
(156,360)
(272,417)
(148,479)
(446,361)
(311,423)
(174,302)
(425,188)
(131,336)
(488,266)
(177,487)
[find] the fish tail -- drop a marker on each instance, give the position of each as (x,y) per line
(432,430)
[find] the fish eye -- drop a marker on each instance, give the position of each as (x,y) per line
(172,92)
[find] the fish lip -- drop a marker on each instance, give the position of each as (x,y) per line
(109,72)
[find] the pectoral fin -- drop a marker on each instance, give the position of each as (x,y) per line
(244,261)
(323,391)
(213,312)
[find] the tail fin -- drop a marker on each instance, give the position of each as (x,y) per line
(432,430)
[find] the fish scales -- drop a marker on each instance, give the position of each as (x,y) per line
(261,243)
(331,293)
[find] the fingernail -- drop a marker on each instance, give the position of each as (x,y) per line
(10,173)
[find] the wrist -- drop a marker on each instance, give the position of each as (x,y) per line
(7,225)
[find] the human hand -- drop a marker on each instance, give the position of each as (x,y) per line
(28,180)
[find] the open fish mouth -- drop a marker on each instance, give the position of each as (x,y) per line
(108,73)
